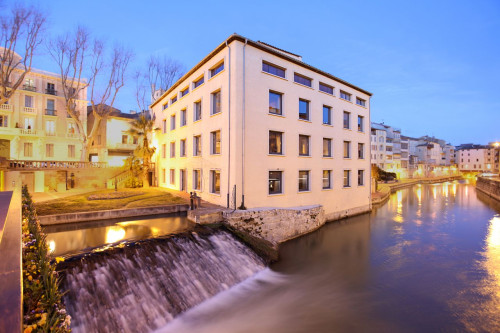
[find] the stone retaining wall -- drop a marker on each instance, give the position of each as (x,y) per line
(490,186)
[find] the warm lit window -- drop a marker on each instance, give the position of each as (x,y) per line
(216,107)
(303,109)
(327,115)
(219,68)
(275,143)
(345,95)
(275,103)
(304,145)
(347,149)
(273,69)
(327,179)
(326,88)
(347,178)
(215,137)
(303,181)
(360,101)
(197,145)
(215,181)
(327,147)
(361,177)
(347,120)
(197,111)
(361,150)
(275,180)
(302,79)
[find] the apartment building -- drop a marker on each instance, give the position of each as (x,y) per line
(477,158)
(253,125)
(113,143)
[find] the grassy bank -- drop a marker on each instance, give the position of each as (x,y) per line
(107,199)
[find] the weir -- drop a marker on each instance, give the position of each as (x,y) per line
(141,286)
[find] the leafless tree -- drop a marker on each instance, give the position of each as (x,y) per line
(20,35)
(75,54)
(162,72)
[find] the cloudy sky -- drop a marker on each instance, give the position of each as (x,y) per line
(433,66)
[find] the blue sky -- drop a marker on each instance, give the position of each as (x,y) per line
(433,66)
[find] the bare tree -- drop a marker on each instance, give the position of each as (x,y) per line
(21,32)
(162,72)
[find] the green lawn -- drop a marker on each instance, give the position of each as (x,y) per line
(80,202)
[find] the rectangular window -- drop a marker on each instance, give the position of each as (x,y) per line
(275,103)
(172,149)
(163,175)
(275,179)
(182,148)
(303,181)
(347,178)
(172,122)
(164,127)
(185,92)
(164,150)
(51,89)
(327,179)
(347,149)
(29,123)
(50,128)
(345,95)
(302,79)
(361,177)
(165,106)
(327,115)
(135,140)
(49,150)
(325,88)
(51,107)
(71,151)
(198,82)
(4,121)
(217,69)
(273,69)
(215,181)
(183,118)
(275,143)
(327,147)
(361,127)
(172,176)
(124,139)
(360,101)
(197,111)
(216,108)
(303,109)
(173,100)
(215,137)
(197,145)
(361,150)
(304,145)
(347,120)
(197,180)
(28,101)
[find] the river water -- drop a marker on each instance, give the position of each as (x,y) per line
(428,260)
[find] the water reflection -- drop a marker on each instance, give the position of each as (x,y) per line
(426,261)
(71,238)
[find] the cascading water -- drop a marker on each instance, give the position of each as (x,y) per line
(142,286)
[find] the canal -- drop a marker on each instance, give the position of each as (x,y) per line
(428,260)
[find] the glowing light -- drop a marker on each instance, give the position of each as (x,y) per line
(454,189)
(434,192)
(114,234)
(419,195)
(445,189)
(52,246)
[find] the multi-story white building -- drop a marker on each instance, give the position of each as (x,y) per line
(477,158)
(256,124)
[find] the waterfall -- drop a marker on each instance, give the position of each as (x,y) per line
(141,286)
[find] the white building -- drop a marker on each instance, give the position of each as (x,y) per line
(477,158)
(254,124)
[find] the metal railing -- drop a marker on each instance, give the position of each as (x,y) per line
(23,164)
(29,87)
(50,112)
(28,131)
(51,92)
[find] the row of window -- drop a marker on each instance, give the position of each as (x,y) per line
(195,84)
(215,146)
(276,108)
(29,123)
(49,150)
(308,82)
(275,180)
(29,85)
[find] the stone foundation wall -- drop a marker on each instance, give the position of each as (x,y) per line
(347,213)
(276,225)
(489,186)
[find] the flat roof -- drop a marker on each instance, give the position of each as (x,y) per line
(261,46)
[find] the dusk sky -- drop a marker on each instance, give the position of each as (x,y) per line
(433,66)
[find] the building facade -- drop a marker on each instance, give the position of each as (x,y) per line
(252,125)
(478,158)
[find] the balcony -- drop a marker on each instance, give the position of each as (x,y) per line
(6,107)
(51,92)
(29,110)
(28,131)
(28,87)
(51,133)
(50,112)
(73,135)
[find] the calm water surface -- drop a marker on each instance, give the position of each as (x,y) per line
(428,260)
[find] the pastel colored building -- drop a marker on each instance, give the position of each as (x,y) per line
(477,158)
(253,125)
